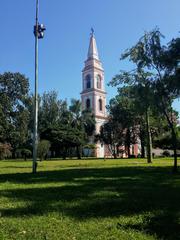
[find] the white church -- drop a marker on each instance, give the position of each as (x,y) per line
(93,95)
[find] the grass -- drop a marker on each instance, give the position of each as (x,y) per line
(89,199)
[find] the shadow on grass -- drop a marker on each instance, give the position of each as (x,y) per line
(164,225)
(106,192)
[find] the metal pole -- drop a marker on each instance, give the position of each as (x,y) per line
(35,138)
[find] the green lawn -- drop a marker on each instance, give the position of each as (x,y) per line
(89,200)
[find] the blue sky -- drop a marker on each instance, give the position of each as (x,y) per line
(118,24)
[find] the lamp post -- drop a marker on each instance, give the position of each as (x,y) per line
(39,34)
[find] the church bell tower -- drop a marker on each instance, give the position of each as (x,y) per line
(93,95)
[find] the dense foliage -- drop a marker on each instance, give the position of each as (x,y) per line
(62,130)
(153,85)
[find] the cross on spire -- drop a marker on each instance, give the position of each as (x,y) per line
(92,31)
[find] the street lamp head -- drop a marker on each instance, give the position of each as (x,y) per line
(39,31)
(41,27)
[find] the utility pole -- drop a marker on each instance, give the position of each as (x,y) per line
(39,34)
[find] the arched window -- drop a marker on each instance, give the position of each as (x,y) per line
(88,81)
(98,81)
(88,103)
(100,104)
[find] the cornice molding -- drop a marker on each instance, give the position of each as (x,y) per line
(101,117)
(93,90)
(87,68)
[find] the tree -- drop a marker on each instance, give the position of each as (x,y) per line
(172,61)
(70,128)
(164,140)
(43,149)
(138,91)
(146,124)
(51,110)
(120,129)
(14,115)
(63,138)
(5,150)
(155,68)
(54,116)
(83,122)
(23,152)
(122,110)
(112,133)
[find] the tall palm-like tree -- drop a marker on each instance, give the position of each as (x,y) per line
(83,121)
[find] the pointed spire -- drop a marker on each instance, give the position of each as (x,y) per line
(93,52)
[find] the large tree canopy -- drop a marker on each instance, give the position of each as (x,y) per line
(14,114)
(155,69)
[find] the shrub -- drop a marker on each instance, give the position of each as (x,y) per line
(166,153)
(43,149)
(24,153)
(5,150)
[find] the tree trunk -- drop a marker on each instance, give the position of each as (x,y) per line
(117,151)
(142,150)
(78,152)
(128,142)
(142,144)
(64,153)
(114,153)
(174,142)
(13,154)
(149,139)
(128,151)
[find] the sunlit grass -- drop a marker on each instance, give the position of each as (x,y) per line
(89,199)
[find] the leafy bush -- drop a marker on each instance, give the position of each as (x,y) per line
(5,150)
(43,149)
(166,153)
(24,153)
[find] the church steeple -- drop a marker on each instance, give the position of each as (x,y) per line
(93,93)
(93,52)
